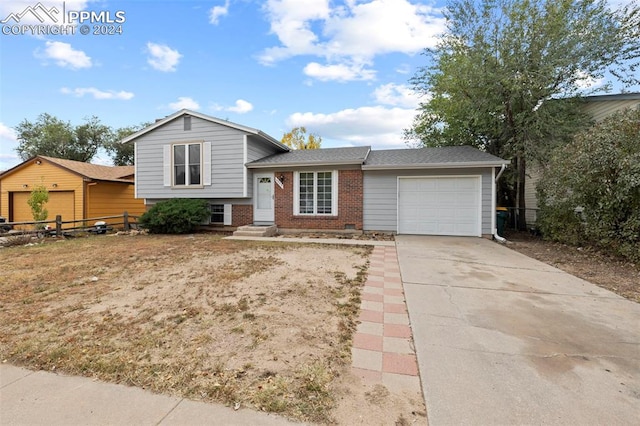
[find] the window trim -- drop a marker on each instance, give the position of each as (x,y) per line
(187,174)
(334,193)
(211,213)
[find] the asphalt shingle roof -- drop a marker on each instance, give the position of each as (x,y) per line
(302,157)
(449,155)
(95,171)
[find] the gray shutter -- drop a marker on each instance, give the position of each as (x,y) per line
(206,163)
(166,164)
(228,218)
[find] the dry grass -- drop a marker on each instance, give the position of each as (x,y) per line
(262,325)
(616,274)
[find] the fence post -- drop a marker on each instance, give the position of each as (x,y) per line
(126,221)
(58,225)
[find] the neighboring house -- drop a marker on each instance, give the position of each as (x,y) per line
(77,190)
(598,108)
(248,177)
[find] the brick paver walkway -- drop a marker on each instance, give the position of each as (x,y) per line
(382,345)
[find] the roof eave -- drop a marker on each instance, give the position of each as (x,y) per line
(306,164)
(474,164)
(634,96)
(177,114)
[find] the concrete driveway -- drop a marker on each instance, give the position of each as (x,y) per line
(504,339)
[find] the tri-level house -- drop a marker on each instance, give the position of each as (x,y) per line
(248,177)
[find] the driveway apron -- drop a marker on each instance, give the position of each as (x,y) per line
(504,339)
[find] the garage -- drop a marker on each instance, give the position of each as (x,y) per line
(440,205)
(60,203)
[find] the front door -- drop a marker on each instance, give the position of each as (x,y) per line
(263,198)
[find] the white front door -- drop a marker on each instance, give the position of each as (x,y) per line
(263,198)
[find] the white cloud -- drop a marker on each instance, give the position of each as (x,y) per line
(396,95)
(377,126)
(97,93)
(241,107)
(403,69)
(64,55)
(585,81)
(352,33)
(8,143)
(7,133)
(184,102)
(339,72)
(162,57)
(217,12)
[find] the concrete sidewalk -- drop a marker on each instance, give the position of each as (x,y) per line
(504,339)
(41,398)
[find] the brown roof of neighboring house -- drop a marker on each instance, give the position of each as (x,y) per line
(87,170)
(95,171)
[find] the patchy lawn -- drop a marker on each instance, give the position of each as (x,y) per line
(254,324)
(615,274)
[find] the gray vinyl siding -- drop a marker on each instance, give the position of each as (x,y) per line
(233,201)
(380,204)
(227,160)
(601,110)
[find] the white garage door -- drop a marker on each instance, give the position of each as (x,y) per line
(439,206)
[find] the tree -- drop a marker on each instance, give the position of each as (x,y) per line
(122,154)
(496,78)
(297,139)
(599,173)
(55,138)
(37,199)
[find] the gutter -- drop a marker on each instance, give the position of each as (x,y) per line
(502,169)
(471,164)
(497,237)
(306,164)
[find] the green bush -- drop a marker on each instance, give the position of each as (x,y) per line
(175,216)
(598,171)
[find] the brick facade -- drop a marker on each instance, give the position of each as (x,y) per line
(241,214)
(350,196)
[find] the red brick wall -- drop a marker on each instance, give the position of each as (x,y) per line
(241,215)
(349,204)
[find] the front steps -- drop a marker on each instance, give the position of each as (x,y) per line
(256,231)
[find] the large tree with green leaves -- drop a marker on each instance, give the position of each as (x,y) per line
(53,137)
(507,74)
(122,154)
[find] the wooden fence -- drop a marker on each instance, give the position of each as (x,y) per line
(83,225)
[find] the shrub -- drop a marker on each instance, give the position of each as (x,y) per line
(175,216)
(598,171)
(37,199)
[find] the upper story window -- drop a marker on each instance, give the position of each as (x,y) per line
(316,193)
(187,164)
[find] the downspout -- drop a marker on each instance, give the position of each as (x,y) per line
(497,237)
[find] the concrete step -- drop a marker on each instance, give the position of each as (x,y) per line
(256,231)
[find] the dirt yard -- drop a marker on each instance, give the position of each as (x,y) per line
(615,274)
(255,325)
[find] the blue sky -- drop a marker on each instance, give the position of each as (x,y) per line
(340,68)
